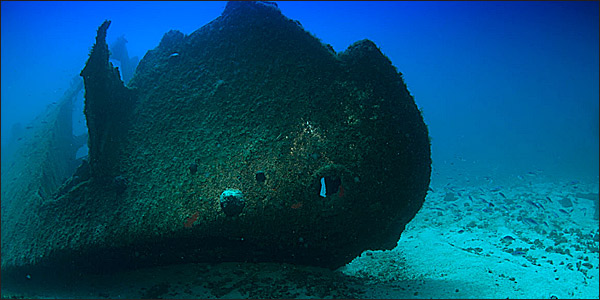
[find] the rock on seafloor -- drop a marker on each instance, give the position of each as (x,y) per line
(324,154)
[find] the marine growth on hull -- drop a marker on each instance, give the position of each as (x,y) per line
(247,140)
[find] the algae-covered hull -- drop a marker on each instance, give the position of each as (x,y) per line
(322,154)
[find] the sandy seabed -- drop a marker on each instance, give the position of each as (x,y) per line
(530,240)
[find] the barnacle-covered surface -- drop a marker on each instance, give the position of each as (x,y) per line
(250,92)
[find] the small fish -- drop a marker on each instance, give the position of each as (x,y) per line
(530,221)
(518,253)
(502,195)
(563,211)
(508,238)
(549,199)
(495,189)
(531,202)
(430,189)
(470,198)
(540,205)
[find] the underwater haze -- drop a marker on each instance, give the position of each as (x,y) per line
(509,91)
(506,88)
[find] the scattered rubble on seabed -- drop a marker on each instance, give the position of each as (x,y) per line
(517,242)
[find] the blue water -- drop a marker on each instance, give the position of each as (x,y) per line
(509,90)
